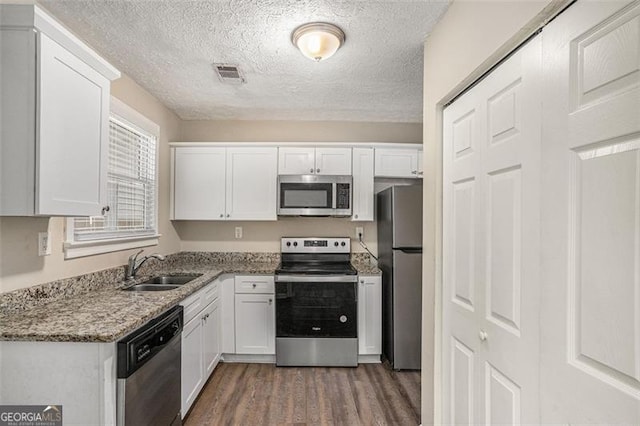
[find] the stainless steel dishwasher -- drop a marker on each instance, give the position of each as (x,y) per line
(149,373)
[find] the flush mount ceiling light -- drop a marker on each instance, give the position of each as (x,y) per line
(318,40)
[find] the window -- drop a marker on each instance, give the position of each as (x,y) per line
(131,220)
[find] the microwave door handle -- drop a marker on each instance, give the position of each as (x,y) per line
(334,195)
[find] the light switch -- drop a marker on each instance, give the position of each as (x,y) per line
(238,231)
(44,247)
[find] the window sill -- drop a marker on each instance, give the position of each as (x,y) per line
(89,248)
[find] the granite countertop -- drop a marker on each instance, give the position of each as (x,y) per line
(93,307)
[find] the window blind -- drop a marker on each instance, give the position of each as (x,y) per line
(131,187)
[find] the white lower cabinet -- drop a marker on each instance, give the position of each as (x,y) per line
(255,315)
(369,315)
(200,342)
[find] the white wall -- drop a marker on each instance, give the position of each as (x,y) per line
(20,265)
(472,36)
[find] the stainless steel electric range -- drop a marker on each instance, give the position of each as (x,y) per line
(316,303)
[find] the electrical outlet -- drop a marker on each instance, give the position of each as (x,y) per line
(238,231)
(44,248)
(359,232)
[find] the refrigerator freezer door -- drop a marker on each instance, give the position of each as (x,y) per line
(407,308)
(407,216)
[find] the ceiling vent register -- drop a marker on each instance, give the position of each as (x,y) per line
(229,74)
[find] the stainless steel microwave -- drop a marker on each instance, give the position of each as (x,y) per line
(314,195)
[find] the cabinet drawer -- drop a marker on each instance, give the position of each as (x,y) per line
(209,293)
(199,300)
(255,284)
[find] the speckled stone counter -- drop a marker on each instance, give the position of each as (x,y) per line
(93,307)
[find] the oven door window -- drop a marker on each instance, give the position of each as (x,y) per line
(308,309)
(306,195)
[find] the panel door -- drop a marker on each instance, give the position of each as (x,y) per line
(255,324)
(199,183)
(396,162)
(591,216)
(370,315)
(296,161)
(252,180)
(363,195)
(192,365)
(333,161)
(490,242)
(211,337)
(72,149)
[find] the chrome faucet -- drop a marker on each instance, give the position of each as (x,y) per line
(134,264)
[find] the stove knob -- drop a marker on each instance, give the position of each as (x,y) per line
(343,244)
(295,244)
(335,244)
(288,243)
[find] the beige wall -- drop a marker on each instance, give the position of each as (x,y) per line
(264,236)
(472,36)
(299,131)
(20,265)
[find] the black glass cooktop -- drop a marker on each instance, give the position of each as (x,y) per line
(319,268)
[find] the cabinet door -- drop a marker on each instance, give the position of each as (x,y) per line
(227,316)
(333,161)
(296,161)
(211,337)
(370,315)
(397,162)
(199,183)
(362,184)
(252,175)
(72,148)
(255,324)
(192,362)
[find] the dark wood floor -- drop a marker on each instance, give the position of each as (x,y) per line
(262,394)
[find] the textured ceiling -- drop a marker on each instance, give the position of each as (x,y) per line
(169,46)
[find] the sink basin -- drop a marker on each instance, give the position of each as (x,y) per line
(151,287)
(163,282)
(171,279)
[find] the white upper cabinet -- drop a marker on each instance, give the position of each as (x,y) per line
(398,162)
(218,183)
(321,161)
(362,184)
(199,183)
(54,111)
(252,177)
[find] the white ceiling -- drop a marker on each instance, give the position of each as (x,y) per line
(169,46)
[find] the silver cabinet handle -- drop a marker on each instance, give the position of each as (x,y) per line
(254,285)
(270,301)
(311,170)
(356,216)
(228,215)
(414,172)
(483,335)
(105,209)
(420,173)
(221,215)
(317,170)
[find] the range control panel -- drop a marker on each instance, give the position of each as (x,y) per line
(315,245)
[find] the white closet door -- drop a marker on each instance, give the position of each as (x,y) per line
(491,247)
(590,316)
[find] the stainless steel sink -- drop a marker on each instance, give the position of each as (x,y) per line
(171,279)
(151,287)
(163,282)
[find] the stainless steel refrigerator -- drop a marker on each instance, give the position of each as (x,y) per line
(399,216)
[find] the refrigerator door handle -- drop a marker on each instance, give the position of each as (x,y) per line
(415,250)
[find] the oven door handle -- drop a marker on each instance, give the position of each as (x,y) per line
(317,278)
